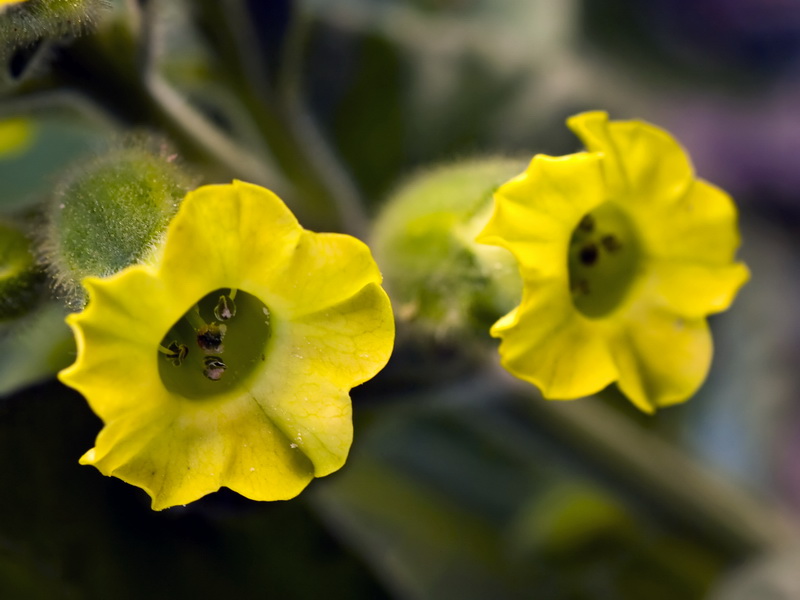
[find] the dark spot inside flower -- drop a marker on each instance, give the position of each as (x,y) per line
(209,338)
(587,223)
(215,368)
(580,287)
(589,254)
(611,243)
(177,353)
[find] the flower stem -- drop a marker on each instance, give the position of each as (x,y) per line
(658,471)
(194,318)
(300,148)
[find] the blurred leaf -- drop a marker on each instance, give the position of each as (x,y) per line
(68,532)
(35,349)
(368,120)
(771,577)
(60,139)
(452,499)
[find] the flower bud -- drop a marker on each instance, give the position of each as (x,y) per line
(424,241)
(24,22)
(111,214)
(21,279)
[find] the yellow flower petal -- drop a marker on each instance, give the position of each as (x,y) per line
(180,455)
(623,253)
(700,227)
(563,355)
(207,235)
(640,160)
(116,336)
(565,188)
(316,355)
(696,290)
(263,425)
(662,358)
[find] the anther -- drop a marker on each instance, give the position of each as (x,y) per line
(175,352)
(225,308)
(611,243)
(589,254)
(209,338)
(587,223)
(580,288)
(214,367)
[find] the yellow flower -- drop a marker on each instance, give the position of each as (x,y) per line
(623,253)
(228,360)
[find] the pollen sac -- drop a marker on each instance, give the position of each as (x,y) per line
(214,368)
(210,337)
(225,308)
(178,353)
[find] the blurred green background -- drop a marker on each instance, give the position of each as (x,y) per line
(462,484)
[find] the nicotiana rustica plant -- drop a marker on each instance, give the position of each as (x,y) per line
(623,253)
(256,250)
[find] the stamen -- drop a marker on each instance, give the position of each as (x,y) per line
(589,254)
(225,308)
(581,288)
(194,318)
(214,368)
(602,260)
(209,338)
(611,243)
(175,352)
(204,373)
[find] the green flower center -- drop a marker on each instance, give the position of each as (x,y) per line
(216,345)
(603,259)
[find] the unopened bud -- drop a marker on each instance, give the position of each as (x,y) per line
(424,242)
(111,214)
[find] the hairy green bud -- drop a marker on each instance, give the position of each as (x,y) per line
(424,241)
(110,214)
(24,23)
(21,278)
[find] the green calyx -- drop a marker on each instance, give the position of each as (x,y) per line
(111,214)
(424,241)
(21,279)
(603,260)
(200,358)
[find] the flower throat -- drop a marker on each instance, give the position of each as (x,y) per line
(215,345)
(603,259)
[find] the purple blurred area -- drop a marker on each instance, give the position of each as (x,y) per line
(748,145)
(756,34)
